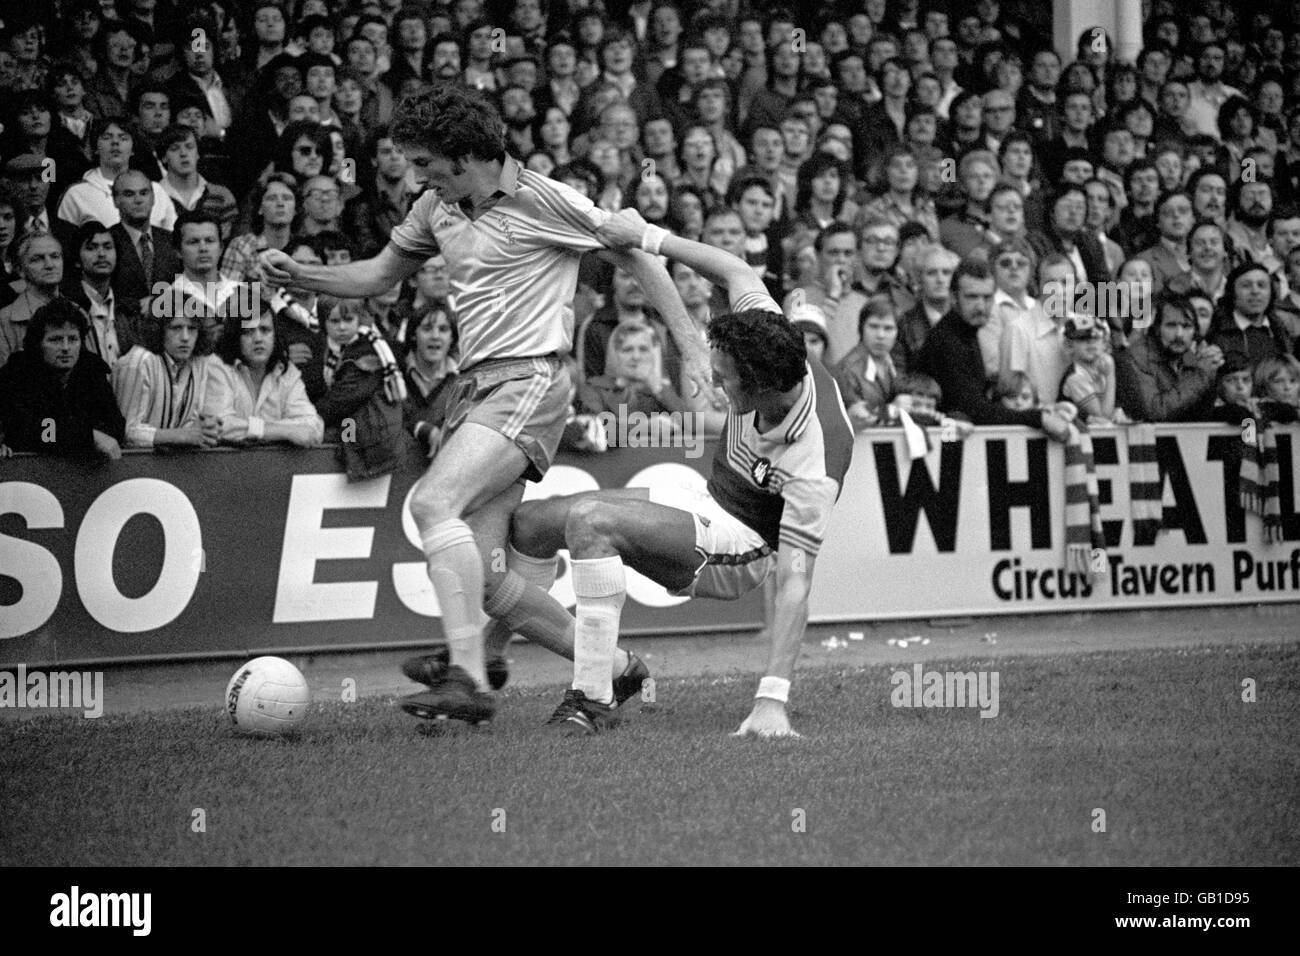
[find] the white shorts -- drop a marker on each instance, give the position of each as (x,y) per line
(734,558)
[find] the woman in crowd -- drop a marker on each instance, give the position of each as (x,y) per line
(697,156)
(303,150)
(902,200)
(551,130)
(256,393)
(430,370)
(821,191)
(686,207)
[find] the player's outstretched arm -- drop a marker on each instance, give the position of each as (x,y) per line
(353,280)
(662,294)
(627,229)
(794,570)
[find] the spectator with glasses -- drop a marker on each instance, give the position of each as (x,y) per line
(322,206)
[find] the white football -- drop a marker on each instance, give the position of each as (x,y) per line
(268,695)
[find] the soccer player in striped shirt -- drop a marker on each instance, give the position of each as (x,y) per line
(512,240)
(777,473)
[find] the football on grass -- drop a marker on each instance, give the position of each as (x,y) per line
(268,695)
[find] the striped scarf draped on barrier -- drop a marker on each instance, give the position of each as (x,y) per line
(1144,487)
(1083,535)
(1085,543)
(394,384)
(1258,481)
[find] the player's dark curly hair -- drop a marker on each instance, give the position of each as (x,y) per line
(768,350)
(451,121)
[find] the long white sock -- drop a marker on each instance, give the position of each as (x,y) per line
(456,570)
(601,588)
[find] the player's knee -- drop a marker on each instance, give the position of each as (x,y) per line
(428,507)
(528,524)
(589,520)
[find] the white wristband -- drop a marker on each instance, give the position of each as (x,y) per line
(256,427)
(653,238)
(774,688)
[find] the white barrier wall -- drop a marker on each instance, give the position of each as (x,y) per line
(977,527)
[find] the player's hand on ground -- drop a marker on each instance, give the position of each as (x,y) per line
(278,268)
(767,719)
(622,230)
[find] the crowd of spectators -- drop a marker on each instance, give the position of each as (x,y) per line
(966,226)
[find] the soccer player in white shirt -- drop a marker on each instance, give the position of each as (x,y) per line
(512,240)
(777,473)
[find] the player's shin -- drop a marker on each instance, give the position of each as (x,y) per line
(601,588)
(521,608)
(456,570)
(539,572)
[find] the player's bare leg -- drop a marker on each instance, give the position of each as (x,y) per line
(537,535)
(601,530)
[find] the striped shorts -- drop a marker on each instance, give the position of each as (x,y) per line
(525,399)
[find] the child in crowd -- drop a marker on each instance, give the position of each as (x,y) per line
(1235,402)
(1277,388)
(1089,382)
(362,407)
(1016,391)
(920,396)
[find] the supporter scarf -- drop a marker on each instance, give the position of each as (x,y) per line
(1144,483)
(394,385)
(1083,534)
(1258,481)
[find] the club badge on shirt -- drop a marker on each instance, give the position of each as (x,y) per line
(760,471)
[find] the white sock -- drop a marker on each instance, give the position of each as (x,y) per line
(456,570)
(601,588)
(537,571)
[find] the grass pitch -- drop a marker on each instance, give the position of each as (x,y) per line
(1161,741)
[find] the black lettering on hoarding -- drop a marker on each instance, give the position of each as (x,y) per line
(1286,488)
(1183,514)
(1032,493)
(1228,450)
(903,509)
